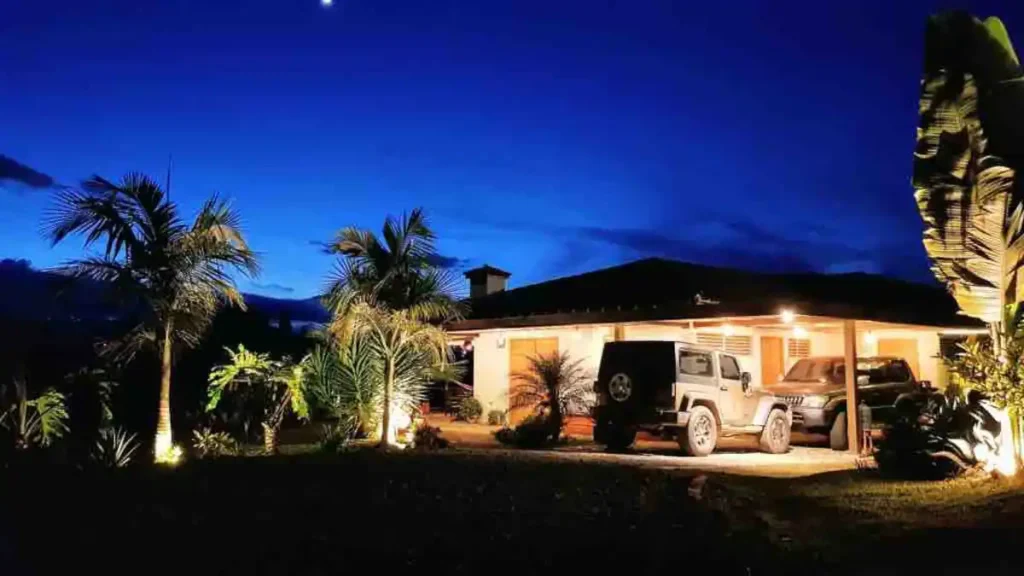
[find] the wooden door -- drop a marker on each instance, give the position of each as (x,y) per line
(772,361)
(905,348)
(520,352)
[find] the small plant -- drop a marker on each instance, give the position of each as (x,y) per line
(114,448)
(34,422)
(429,438)
(335,437)
(496,418)
(469,410)
(210,444)
(533,432)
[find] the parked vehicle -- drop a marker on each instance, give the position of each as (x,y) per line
(815,388)
(673,388)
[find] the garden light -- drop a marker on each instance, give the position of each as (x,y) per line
(788,316)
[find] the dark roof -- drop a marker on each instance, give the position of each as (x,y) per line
(484,271)
(656,289)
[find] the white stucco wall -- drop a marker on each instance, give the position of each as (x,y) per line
(929,364)
(491,357)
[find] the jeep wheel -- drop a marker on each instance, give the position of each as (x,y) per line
(837,435)
(775,436)
(618,438)
(701,433)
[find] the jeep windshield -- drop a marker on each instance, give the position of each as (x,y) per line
(833,371)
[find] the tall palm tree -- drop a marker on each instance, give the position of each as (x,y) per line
(397,272)
(178,273)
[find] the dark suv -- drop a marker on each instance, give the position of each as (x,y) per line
(678,389)
(816,390)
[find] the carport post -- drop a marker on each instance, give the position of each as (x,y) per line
(850,361)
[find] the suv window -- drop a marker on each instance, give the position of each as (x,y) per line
(696,363)
(730,368)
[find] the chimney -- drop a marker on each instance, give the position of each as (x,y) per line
(486,280)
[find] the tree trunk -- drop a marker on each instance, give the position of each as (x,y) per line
(385,434)
(164,441)
(555,417)
(269,439)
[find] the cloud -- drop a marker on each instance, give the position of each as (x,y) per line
(272,287)
(17,173)
(448,262)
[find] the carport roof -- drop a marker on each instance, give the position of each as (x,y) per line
(658,289)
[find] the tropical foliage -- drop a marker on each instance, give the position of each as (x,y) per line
(968,147)
(114,448)
(469,410)
(390,292)
(968,155)
(209,444)
(176,273)
(281,385)
(555,386)
(32,421)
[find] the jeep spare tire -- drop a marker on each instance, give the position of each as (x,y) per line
(775,436)
(701,433)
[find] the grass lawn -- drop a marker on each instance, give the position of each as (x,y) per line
(460,513)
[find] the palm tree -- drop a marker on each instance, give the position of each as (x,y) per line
(178,273)
(555,384)
(397,272)
(966,167)
(408,352)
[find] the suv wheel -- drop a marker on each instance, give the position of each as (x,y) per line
(618,438)
(701,433)
(837,435)
(775,436)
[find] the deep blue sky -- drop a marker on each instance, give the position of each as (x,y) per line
(546,137)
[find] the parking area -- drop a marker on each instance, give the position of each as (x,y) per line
(734,456)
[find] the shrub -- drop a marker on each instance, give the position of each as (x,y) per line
(210,444)
(114,448)
(555,385)
(469,410)
(534,432)
(496,418)
(429,438)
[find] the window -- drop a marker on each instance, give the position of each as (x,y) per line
(739,345)
(730,368)
(799,348)
(696,363)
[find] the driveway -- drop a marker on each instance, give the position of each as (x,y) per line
(734,455)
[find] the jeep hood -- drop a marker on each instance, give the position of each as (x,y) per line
(802,388)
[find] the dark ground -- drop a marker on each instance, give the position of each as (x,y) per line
(472,513)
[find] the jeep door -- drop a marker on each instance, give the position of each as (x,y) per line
(697,372)
(736,405)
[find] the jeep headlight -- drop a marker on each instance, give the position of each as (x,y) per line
(816,401)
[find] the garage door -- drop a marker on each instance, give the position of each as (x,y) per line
(905,348)
(520,351)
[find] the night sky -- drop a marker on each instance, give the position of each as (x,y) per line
(546,137)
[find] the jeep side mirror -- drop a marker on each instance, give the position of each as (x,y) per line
(863,380)
(745,380)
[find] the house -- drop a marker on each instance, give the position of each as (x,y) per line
(767,321)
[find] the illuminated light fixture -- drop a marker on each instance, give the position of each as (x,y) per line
(501,341)
(788,316)
(170,456)
(728,330)
(799,332)
(326,3)
(870,338)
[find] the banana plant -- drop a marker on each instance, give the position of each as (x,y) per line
(970,148)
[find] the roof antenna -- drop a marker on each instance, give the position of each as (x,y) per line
(170,160)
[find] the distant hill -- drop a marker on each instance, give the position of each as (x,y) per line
(30,294)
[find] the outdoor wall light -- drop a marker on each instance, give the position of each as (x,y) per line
(799,332)
(788,316)
(870,338)
(728,330)
(501,341)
